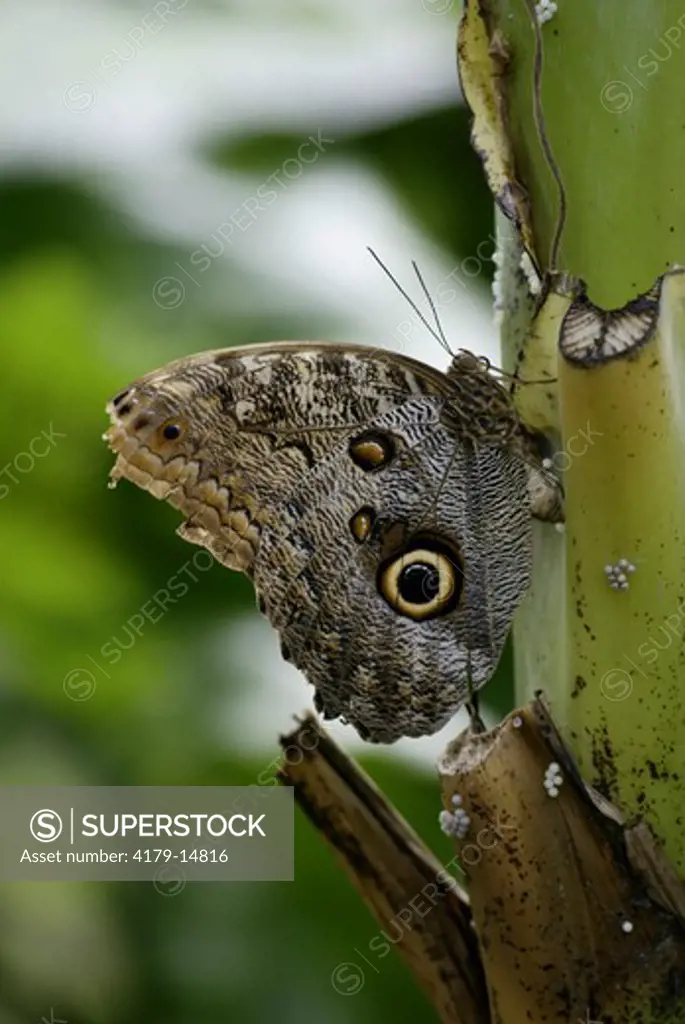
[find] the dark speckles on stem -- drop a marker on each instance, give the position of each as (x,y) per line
(578,686)
(604,763)
(659,773)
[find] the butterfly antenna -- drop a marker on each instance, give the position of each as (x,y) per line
(429,297)
(405,295)
(514,377)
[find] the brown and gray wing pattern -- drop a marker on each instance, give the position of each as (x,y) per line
(253,421)
(387,548)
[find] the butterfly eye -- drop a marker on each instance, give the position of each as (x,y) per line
(423,582)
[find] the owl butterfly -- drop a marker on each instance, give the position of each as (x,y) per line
(381,508)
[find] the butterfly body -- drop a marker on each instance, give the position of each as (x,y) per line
(382,509)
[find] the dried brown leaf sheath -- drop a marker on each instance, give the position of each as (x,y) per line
(563,922)
(390,867)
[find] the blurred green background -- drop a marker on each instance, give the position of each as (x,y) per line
(132,132)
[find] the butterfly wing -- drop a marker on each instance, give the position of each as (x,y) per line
(387,547)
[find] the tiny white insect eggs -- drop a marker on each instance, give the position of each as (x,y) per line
(553,779)
(455,823)
(616,575)
(545,10)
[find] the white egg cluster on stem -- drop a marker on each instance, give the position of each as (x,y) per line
(545,10)
(617,575)
(553,779)
(455,823)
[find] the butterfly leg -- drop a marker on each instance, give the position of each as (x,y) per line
(476,722)
(472,704)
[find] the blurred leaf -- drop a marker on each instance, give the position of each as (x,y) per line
(428,161)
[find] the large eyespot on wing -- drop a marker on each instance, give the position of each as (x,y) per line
(424,580)
(388,674)
(395,650)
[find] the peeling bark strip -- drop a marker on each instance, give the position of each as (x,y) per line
(649,860)
(566,928)
(482,61)
(396,875)
(591,335)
